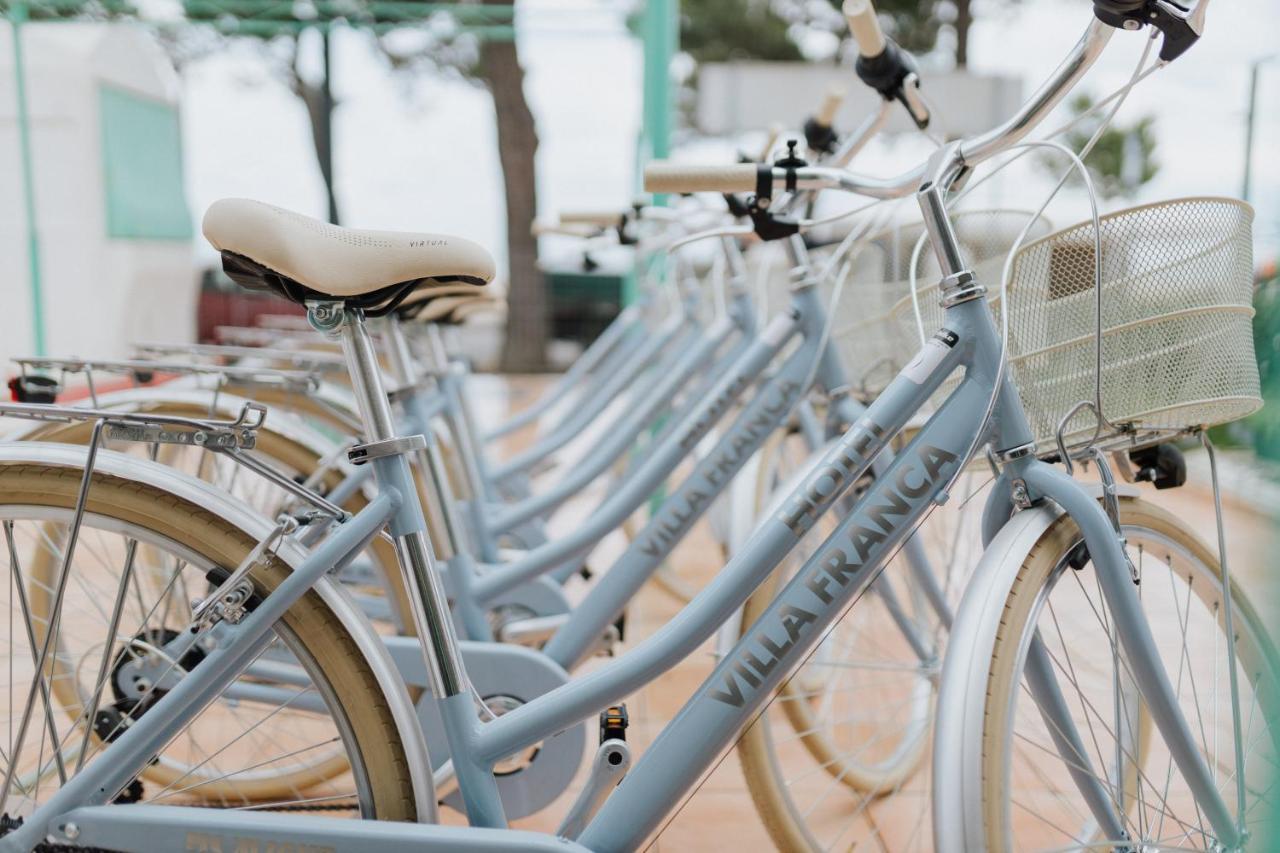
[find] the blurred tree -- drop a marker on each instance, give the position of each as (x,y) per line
(721,30)
(495,64)
(1261,430)
(285,51)
(317,95)
(1123,158)
(1265,424)
(528,315)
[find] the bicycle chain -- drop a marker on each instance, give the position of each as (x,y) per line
(340,806)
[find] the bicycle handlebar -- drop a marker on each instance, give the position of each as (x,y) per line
(744,177)
(598,218)
(667,177)
(826,114)
(543,229)
(865,27)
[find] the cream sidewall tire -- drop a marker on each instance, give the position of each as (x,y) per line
(318,632)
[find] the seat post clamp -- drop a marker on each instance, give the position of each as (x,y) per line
(361,453)
(325,316)
(960,287)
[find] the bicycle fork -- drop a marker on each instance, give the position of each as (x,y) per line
(1138,646)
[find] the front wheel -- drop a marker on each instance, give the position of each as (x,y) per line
(1031,787)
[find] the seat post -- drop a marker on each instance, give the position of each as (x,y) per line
(427,600)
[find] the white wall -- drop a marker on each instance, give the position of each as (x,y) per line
(98,294)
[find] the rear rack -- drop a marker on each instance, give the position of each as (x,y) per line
(321,362)
(231,438)
(222,435)
(144,370)
(254,335)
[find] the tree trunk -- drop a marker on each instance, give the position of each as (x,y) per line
(964,22)
(525,350)
(318,98)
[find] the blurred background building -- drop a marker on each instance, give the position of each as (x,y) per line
(473,119)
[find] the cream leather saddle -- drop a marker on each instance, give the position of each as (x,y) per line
(267,247)
(449,304)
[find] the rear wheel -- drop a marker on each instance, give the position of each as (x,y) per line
(375,576)
(305,726)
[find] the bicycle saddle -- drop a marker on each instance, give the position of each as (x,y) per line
(454,310)
(439,302)
(267,247)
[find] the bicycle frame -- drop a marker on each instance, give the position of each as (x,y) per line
(812,361)
(593,361)
(646,348)
(698,354)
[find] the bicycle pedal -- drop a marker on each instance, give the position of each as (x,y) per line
(613,723)
(611,763)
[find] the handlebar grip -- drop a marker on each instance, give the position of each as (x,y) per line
(865,27)
(544,229)
(770,140)
(826,114)
(600,218)
(664,177)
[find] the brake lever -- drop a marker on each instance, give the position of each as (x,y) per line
(1181,27)
(893,73)
(766,224)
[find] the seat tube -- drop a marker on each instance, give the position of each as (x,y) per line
(430,459)
(461,421)
(429,607)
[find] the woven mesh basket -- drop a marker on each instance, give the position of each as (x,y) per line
(1177,310)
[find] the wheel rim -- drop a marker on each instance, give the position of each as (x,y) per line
(1182,594)
(275,749)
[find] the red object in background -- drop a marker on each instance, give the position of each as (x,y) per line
(222,303)
(45,390)
(225,303)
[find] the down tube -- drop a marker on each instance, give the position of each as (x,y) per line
(794,623)
(765,413)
